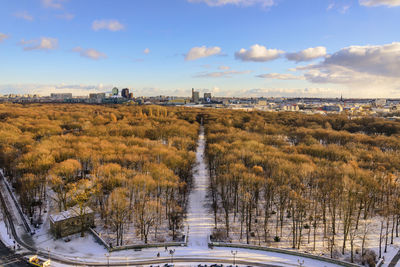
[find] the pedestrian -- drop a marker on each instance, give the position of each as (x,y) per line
(158,254)
(166,248)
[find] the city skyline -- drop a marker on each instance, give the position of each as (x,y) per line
(227,47)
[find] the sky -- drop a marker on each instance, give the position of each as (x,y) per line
(252,48)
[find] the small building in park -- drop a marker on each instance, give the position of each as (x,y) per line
(69,222)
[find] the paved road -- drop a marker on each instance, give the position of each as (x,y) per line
(395,260)
(8,258)
(162,261)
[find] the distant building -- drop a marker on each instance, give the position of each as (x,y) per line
(97,96)
(332,108)
(195,96)
(290,107)
(115,91)
(69,222)
(207,97)
(61,95)
(125,93)
(380,102)
(178,101)
(262,102)
(130,95)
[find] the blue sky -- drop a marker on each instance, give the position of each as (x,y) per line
(228,47)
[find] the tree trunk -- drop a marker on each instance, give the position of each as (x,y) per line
(380,240)
(393,223)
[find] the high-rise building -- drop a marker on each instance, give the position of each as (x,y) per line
(195,96)
(207,97)
(125,93)
(115,91)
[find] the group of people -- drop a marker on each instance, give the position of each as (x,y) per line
(171,251)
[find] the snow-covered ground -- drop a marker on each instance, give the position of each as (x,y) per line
(199,220)
(200,224)
(321,249)
(5,234)
(253,256)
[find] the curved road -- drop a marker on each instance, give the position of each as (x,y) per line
(9,258)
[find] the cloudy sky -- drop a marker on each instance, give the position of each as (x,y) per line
(228,47)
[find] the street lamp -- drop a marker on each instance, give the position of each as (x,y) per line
(172,251)
(108,259)
(234,256)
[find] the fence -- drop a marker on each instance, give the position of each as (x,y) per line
(284,251)
(139,246)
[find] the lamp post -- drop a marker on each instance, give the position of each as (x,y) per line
(234,256)
(108,259)
(172,251)
(187,234)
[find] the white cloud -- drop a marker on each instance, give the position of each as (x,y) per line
(89,53)
(307,54)
(373,59)
(224,68)
(66,16)
(344,9)
(263,3)
(24,15)
(219,74)
(43,43)
(335,74)
(288,92)
(47,89)
(111,25)
(57,4)
(3,36)
(370,70)
(202,51)
(146,51)
(258,53)
(339,7)
(215,90)
(371,3)
(280,76)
